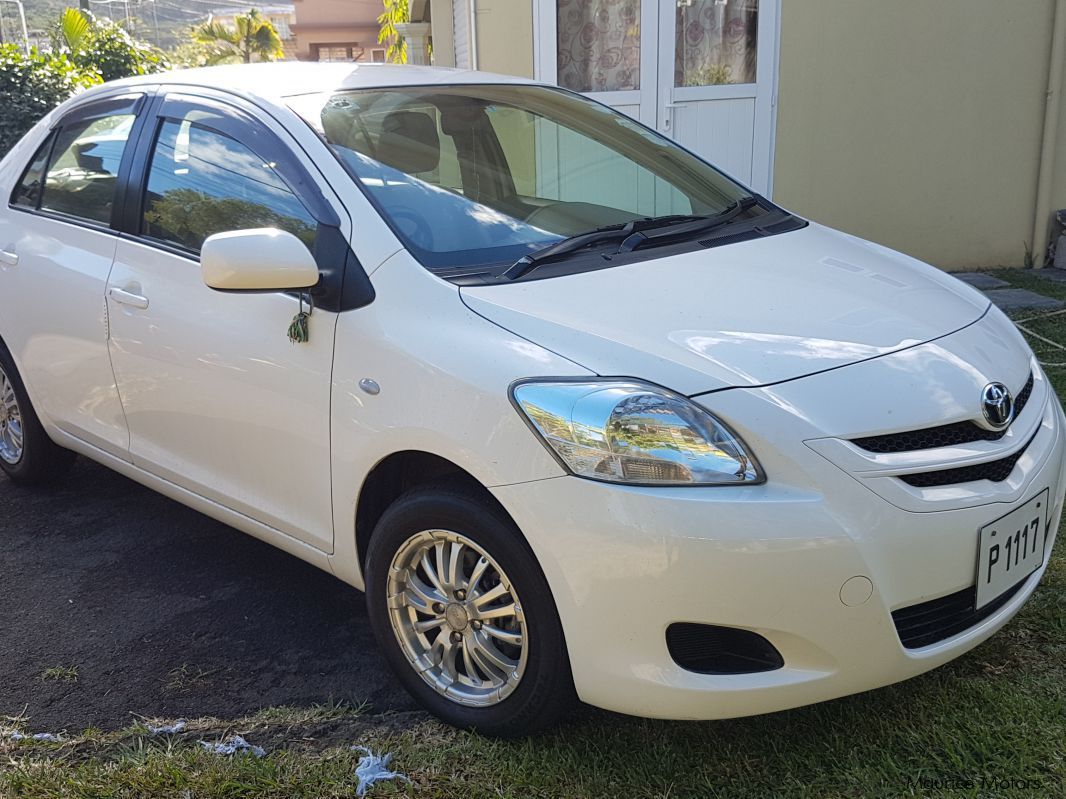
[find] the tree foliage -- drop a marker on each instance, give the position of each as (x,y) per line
(31,86)
(98,44)
(253,38)
(396,11)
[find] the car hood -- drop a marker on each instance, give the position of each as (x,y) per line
(744,314)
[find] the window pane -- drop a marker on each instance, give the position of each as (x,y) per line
(599,45)
(28,191)
(717,42)
(202,183)
(83,174)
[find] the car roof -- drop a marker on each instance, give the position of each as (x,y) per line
(279,79)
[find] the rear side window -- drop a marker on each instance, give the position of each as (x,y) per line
(202,182)
(29,189)
(82,175)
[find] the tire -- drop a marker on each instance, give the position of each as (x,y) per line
(540,688)
(27,455)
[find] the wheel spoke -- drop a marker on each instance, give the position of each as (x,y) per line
(429,624)
(425,593)
(449,651)
(455,565)
(489,659)
(491,595)
(476,575)
(508,637)
(431,572)
(501,612)
(468,663)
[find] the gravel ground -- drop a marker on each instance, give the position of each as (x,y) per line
(164,612)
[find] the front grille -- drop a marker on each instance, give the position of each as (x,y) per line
(711,649)
(945,435)
(938,619)
(996,471)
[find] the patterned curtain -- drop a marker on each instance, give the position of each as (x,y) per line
(599,45)
(716,42)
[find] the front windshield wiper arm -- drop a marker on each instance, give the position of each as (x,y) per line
(632,235)
(601,235)
(703,224)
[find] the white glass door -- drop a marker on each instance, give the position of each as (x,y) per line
(701,71)
(603,48)
(715,82)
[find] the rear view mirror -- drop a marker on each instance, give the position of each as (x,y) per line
(263,259)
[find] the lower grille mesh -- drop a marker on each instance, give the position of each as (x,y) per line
(939,619)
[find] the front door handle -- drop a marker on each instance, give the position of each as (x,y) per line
(128,298)
(8,257)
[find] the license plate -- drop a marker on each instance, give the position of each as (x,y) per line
(1012,548)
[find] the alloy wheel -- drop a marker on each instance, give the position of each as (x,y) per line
(11,435)
(457,618)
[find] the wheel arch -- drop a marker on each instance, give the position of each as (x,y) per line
(398,473)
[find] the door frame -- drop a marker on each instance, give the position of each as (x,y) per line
(655,105)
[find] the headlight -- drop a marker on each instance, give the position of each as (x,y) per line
(631,432)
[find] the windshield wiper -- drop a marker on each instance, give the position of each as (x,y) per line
(703,224)
(631,235)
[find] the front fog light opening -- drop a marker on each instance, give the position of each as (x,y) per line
(712,649)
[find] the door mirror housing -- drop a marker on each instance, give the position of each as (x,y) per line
(262,259)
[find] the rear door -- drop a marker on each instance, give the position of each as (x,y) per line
(58,238)
(217,399)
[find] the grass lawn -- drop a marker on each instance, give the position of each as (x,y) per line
(992,723)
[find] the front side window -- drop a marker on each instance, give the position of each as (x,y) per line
(30,188)
(82,175)
(202,182)
(483,175)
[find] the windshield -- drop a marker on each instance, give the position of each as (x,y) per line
(475,175)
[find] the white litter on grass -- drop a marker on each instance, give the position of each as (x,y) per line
(232,746)
(373,768)
(167,729)
(39,736)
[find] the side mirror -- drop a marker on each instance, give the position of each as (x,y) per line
(263,259)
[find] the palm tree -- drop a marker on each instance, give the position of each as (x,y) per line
(254,36)
(396,11)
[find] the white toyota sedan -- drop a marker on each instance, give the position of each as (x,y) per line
(584,417)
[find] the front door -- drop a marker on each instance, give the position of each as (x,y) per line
(217,399)
(700,71)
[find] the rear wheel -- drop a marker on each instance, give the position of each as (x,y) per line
(27,454)
(464,615)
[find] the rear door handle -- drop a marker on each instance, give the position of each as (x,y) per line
(8,257)
(128,298)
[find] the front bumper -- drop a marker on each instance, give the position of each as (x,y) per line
(626,562)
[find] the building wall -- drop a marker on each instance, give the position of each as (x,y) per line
(1058,186)
(504,35)
(336,22)
(917,124)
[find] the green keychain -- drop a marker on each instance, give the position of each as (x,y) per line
(299,330)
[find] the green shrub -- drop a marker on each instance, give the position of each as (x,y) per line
(31,86)
(105,46)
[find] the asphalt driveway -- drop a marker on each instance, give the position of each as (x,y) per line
(164,612)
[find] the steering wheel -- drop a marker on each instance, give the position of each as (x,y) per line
(413,225)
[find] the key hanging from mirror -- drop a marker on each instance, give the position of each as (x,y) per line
(299,330)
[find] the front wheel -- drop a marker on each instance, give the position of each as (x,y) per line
(464,615)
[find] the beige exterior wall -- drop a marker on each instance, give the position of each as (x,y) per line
(504,35)
(917,124)
(1058,185)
